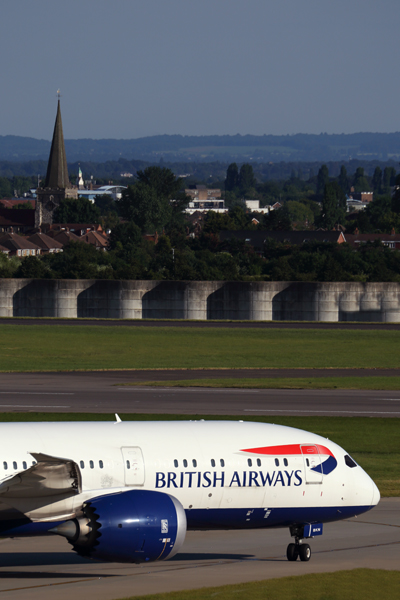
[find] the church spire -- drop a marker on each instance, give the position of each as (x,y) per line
(57,170)
(57,186)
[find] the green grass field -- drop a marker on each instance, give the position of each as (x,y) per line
(358,584)
(381,460)
(68,347)
(288,383)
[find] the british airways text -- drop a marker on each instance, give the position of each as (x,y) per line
(192,479)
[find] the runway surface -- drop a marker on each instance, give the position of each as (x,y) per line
(45,568)
(200,324)
(98,393)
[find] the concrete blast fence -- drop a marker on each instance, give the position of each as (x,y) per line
(270,301)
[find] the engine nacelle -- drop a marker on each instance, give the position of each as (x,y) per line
(132,526)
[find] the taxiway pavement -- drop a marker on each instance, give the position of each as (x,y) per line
(98,392)
(45,568)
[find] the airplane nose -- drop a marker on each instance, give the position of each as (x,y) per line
(376,495)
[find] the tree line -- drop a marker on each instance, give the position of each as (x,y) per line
(155,203)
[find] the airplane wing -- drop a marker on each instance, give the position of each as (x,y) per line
(50,476)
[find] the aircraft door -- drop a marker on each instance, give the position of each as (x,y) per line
(133,465)
(312,464)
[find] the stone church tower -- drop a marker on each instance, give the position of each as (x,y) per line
(57,186)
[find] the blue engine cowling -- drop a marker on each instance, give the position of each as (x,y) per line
(131,526)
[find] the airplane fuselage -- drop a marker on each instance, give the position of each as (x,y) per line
(225,474)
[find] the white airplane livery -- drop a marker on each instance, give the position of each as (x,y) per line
(129,491)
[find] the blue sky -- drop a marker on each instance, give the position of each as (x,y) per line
(132,68)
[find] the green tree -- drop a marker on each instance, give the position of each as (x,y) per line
(80,210)
(126,243)
(162,180)
(377,180)
(6,190)
(216,222)
(8,266)
(396,202)
(24,206)
(141,204)
(333,203)
(32,267)
(343,180)
(105,203)
(125,235)
(238,216)
(246,178)
(322,179)
(232,178)
(361,183)
(277,220)
(79,261)
(389,178)
(300,213)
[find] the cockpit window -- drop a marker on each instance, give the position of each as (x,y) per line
(349,461)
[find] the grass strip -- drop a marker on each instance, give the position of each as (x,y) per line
(373,443)
(289,383)
(357,584)
(69,347)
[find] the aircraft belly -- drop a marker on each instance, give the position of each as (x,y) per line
(257,518)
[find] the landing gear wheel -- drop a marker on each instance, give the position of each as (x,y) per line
(304,552)
(292,552)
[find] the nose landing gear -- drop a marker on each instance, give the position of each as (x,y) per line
(298,550)
(301,532)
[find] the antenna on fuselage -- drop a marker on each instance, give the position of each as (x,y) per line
(118,420)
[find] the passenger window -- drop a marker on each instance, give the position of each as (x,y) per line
(185,463)
(128,464)
(82,464)
(350,462)
(15,466)
(5,465)
(24,465)
(249,462)
(222,462)
(307,462)
(277,462)
(175,463)
(194,462)
(212,462)
(285,462)
(258,462)
(91,464)
(100,464)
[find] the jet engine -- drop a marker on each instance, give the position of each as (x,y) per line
(133,526)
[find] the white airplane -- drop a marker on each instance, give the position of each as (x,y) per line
(128,491)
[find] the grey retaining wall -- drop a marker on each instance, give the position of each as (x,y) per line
(281,301)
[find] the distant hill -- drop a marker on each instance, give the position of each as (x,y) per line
(224,148)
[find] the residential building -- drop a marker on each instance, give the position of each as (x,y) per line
(361,196)
(391,240)
(78,229)
(96,239)
(254,206)
(202,193)
(18,245)
(47,244)
(63,237)
(114,191)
